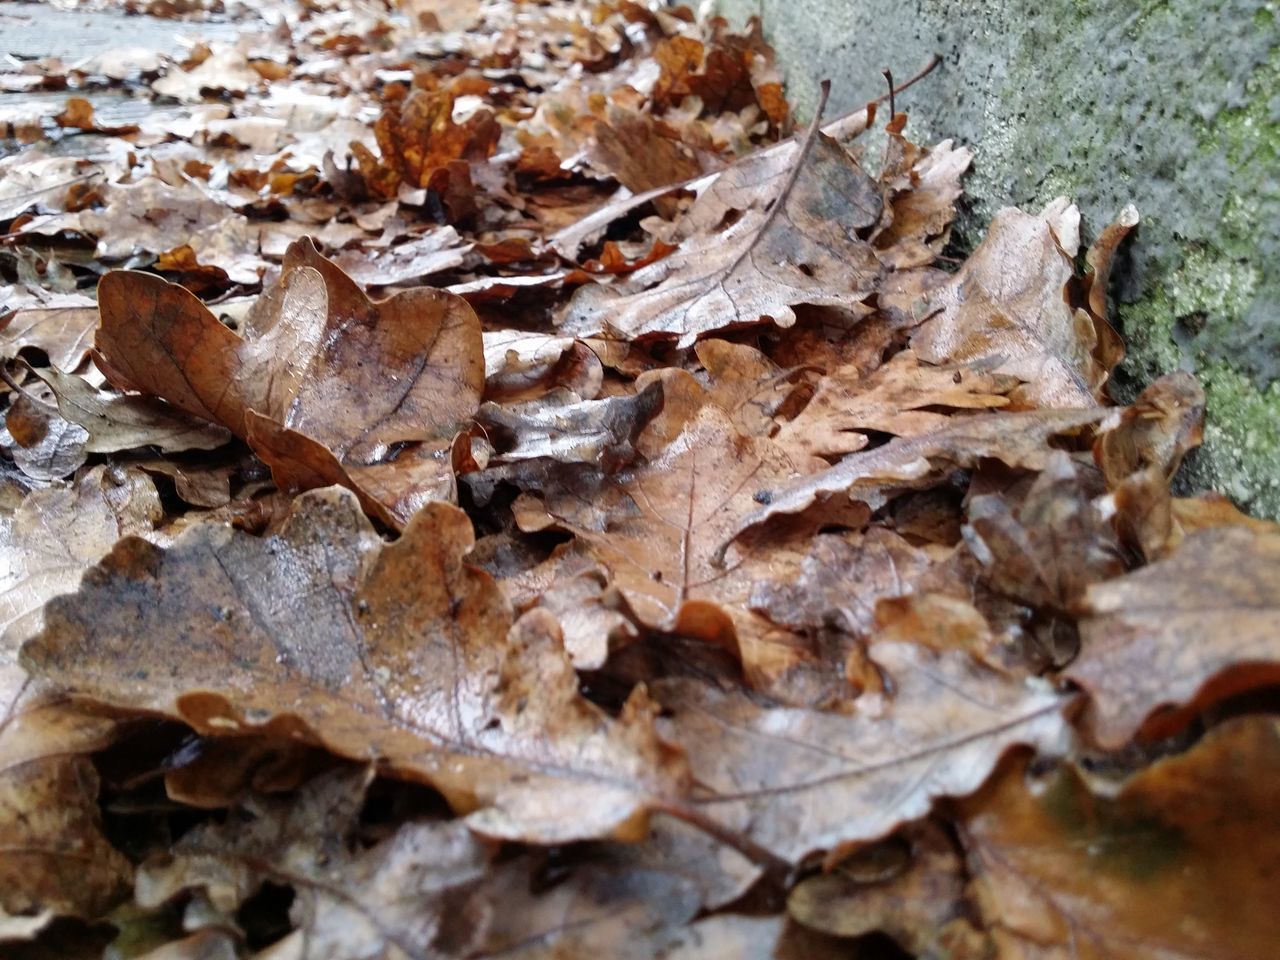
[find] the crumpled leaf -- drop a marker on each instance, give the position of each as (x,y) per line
(1017,439)
(796,781)
(659,528)
(323,385)
(924,209)
(904,397)
(763,237)
(1005,310)
(57,534)
(420,137)
(1177,863)
(42,444)
(1156,430)
(55,856)
(340,638)
(115,422)
(910,887)
(391,899)
(65,334)
(1049,549)
(602,432)
(522,366)
(225,69)
(1198,624)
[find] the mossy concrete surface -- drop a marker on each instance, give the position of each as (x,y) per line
(1172,105)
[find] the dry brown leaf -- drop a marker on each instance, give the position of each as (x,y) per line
(1049,549)
(904,398)
(1157,430)
(65,334)
(340,638)
(116,423)
(799,781)
(54,854)
(391,899)
(1179,863)
(1190,628)
(923,211)
(1018,439)
(42,444)
(910,887)
(420,137)
(763,237)
(57,534)
(658,529)
(1006,311)
(841,580)
(563,428)
(351,378)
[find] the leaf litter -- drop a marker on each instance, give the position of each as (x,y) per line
(476,480)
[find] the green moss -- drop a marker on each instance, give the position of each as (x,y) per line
(1171,104)
(1241,456)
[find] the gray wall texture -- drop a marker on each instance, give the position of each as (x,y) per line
(1172,105)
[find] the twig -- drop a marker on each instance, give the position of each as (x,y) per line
(776,870)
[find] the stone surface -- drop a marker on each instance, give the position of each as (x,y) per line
(1171,104)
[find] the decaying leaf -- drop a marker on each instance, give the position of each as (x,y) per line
(762,238)
(904,398)
(341,639)
(319,360)
(56,858)
(798,781)
(1163,635)
(1178,863)
(1006,310)
(1017,439)
(392,899)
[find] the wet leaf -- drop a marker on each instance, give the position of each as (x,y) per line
(1005,310)
(799,781)
(765,236)
(1193,626)
(339,638)
(351,377)
(1175,864)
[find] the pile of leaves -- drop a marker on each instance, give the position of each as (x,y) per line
(477,482)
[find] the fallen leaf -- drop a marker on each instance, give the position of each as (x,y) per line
(341,639)
(318,360)
(114,422)
(904,398)
(393,898)
(56,857)
(1017,439)
(799,781)
(910,887)
(1174,864)
(601,432)
(1197,624)
(772,231)
(1005,310)
(65,334)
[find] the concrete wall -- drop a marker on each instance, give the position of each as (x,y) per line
(1173,104)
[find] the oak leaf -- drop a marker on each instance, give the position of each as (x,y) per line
(1006,309)
(1174,864)
(1017,439)
(324,384)
(56,858)
(1200,623)
(763,237)
(798,781)
(324,630)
